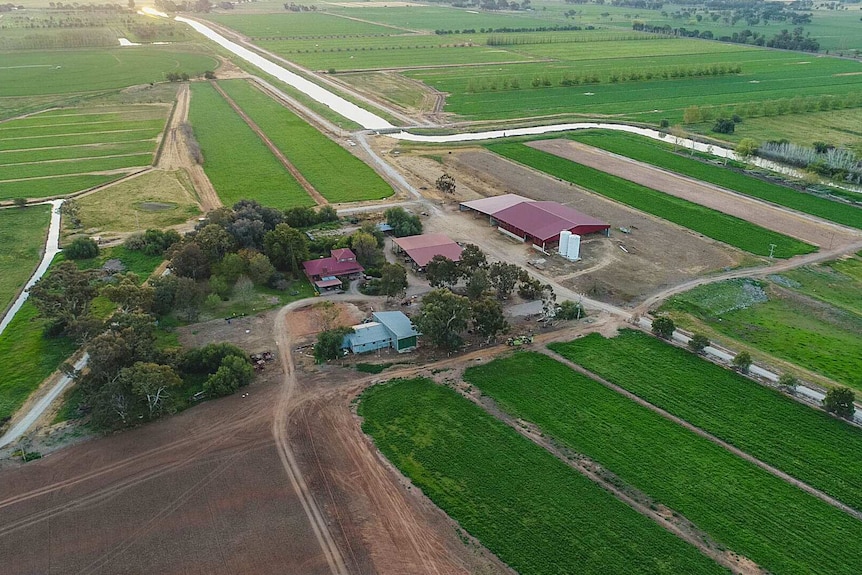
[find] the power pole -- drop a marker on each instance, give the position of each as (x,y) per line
(771,250)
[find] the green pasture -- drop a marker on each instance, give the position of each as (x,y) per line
(11,131)
(48,141)
(430,18)
(58,72)
(27,358)
(237,162)
(333,171)
(134,261)
(711,223)
(52,187)
(302,24)
(22,235)
(838,283)
(641,149)
(528,508)
(75,166)
(808,444)
(744,508)
(789,325)
(77,152)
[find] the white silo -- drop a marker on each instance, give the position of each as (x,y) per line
(564,242)
(573,251)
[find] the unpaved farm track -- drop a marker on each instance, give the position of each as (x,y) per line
(280,481)
(175,154)
(794,224)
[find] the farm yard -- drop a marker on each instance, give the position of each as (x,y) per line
(738,504)
(76,146)
(774,318)
(711,223)
(22,233)
(808,444)
(647,151)
(531,510)
(333,171)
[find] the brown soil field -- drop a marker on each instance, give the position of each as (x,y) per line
(772,217)
(659,254)
(226,486)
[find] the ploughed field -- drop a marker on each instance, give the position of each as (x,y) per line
(62,151)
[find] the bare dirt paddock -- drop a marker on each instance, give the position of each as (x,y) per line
(658,254)
(800,226)
(208,492)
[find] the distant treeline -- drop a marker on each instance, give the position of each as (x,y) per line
(612,77)
(796,40)
(527,40)
(563,28)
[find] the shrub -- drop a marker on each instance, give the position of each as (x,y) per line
(839,400)
(742,361)
(82,249)
(663,327)
(698,342)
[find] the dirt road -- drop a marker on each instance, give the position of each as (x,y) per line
(175,153)
(823,234)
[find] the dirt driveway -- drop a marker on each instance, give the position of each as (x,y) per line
(800,226)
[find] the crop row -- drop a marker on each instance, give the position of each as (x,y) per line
(527,507)
(45,187)
(333,171)
(74,152)
(806,443)
(711,223)
(638,148)
(70,167)
(742,507)
(236,160)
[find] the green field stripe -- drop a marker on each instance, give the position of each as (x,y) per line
(531,510)
(74,152)
(52,187)
(13,132)
(806,443)
(236,160)
(73,167)
(711,223)
(333,171)
(90,138)
(781,528)
(639,149)
(87,115)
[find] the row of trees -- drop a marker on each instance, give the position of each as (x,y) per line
(838,400)
(779,107)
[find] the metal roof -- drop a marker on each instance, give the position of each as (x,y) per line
(492,205)
(396,322)
(423,248)
(366,333)
(544,220)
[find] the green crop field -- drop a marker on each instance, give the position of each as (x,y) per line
(238,163)
(711,223)
(780,321)
(440,17)
(50,187)
(303,24)
(531,510)
(639,148)
(74,71)
(75,141)
(746,509)
(810,445)
(22,235)
(333,171)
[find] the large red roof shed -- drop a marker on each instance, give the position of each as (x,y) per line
(542,222)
